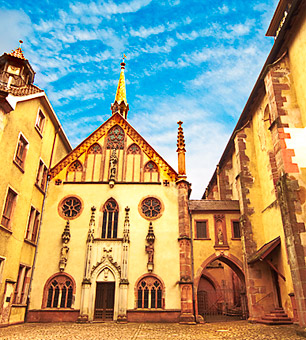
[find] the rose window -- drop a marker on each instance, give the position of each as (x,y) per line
(151,208)
(70,208)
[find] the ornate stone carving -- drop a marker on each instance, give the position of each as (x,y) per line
(107,256)
(65,249)
(150,248)
(126,228)
(113,162)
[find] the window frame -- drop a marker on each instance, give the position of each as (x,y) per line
(42,176)
(8,226)
(153,278)
(196,237)
(22,285)
(60,278)
(109,227)
(233,229)
(33,225)
(40,122)
(2,263)
(19,160)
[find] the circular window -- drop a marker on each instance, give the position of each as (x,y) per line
(70,207)
(150,208)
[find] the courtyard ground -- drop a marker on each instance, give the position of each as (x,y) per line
(240,330)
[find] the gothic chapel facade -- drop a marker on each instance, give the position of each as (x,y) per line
(114,241)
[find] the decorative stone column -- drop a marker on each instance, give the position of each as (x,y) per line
(186,283)
(124,282)
(86,284)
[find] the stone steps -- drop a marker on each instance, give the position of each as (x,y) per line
(276,317)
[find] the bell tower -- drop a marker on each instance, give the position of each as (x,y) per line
(15,70)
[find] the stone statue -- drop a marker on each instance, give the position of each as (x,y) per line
(220,236)
(113,165)
(150,252)
(63,257)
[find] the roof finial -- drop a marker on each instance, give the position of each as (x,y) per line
(181,151)
(18,53)
(120,104)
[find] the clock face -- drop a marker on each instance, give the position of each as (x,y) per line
(13,70)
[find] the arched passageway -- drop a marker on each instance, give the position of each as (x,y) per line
(220,289)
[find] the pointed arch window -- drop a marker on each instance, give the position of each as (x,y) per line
(93,163)
(151,173)
(115,138)
(110,219)
(75,170)
(133,149)
(133,163)
(58,292)
(150,293)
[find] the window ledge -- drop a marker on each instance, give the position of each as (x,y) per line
(19,305)
(108,239)
(6,229)
(30,242)
(202,239)
(236,238)
(18,166)
(38,131)
(40,189)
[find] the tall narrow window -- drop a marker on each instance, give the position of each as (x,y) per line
(110,219)
(201,230)
(21,151)
(40,121)
(10,202)
(33,224)
(58,292)
(93,163)
(150,293)
(236,229)
(41,178)
(22,285)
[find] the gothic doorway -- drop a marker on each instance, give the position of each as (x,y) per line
(104,304)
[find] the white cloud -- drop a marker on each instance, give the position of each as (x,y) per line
(108,8)
(223,9)
(14,25)
(143,32)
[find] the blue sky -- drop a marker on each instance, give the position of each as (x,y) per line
(195,61)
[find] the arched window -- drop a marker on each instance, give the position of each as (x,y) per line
(93,163)
(110,219)
(74,173)
(133,162)
(151,173)
(115,138)
(59,291)
(150,293)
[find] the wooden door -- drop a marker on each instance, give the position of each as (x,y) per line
(104,305)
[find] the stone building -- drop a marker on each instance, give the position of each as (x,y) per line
(31,140)
(263,169)
(120,239)
(116,221)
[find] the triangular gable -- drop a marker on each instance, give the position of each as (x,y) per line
(115,119)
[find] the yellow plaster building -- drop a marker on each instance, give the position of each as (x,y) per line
(31,140)
(116,223)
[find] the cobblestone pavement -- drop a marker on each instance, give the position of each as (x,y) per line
(241,330)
